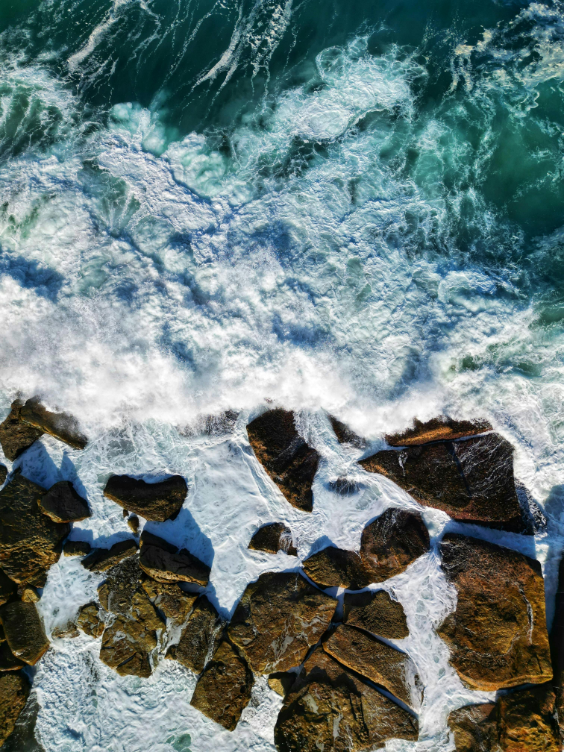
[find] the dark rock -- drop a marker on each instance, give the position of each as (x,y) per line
(438,429)
(392,542)
(376,612)
(16,436)
(62,503)
(133,523)
(29,541)
(170,599)
(198,636)
(77,548)
(497,635)
(344,486)
(7,588)
(285,456)
(278,618)
(335,567)
(166,563)
(90,621)
(117,591)
(14,691)
(371,658)
(345,435)
(8,661)
(60,425)
(153,501)
(24,631)
(527,721)
(475,728)
(102,559)
(224,689)
(22,738)
(272,538)
(3,474)
(472,480)
(557,647)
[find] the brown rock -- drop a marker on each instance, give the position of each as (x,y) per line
(60,425)
(77,548)
(438,429)
(285,456)
(29,541)
(3,474)
(153,501)
(475,728)
(133,523)
(470,480)
(198,636)
(166,563)
(224,689)
(557,647)
(7,588)
(65,631)
(123,653)
(281,682)
(369,657)
(8,661)
(90,621)
(376,612)
(16,436)
(24,631)
(102,559)
(28,594)
(278,618)
(497,635)
(62,503)
(14,691)
(335,567)
(170,599)
(392,542)
(272,538)
(527,721)
(117,591)
(345,435)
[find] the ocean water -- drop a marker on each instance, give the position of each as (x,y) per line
(354,208)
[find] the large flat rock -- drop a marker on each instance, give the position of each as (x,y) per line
(63,504)
(376,612)
(14,691)
(167,563)
(154,501)
(24,631)
(437,429)
(279,617)
(285,455)
(30,542)
(197,639)
(336,567)
(497,635)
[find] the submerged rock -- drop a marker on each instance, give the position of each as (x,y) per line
(497,635)
(153,501)
(170,599)
(198,636)
(438,429)
(77,548)
(102,559)
(376,612)
(24,631)
(278,618)
(166,563)
(60,425)
(16,436)
(62,503)
(272,538)
(7,588)
(392,542)
(285,455)
(224,688)
(90,621)
(14,691)
(472,480)
(117,591)
(29,541)
(335,567)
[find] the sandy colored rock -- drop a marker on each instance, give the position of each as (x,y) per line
(224,688)
(14,691)
(285,455)
(472,480)
(60,425)
(392,542)
(3,474)
(90,621)
(16,436)
(62,503)
(497,635)
(153,501)
(198,636)
(281,682)
(170,599)
(8,661)
(278,618)
(29,541)
(376,612)
(272,538)
(77,548)
(373,659)
(102,559)
(28,595)
(166,563)
(437,429)
(335,567)
(24,631)
(475,728)
(7,588)
(528,722)
(345,435)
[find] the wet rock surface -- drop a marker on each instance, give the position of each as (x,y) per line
(170,599)
(60,425)
(497,635)
(335,567)
(29,541)
(437,429)
(77,548)
(272,538)
(224,688)
(122,583)
(475,728)
(345,435)
(14,691)
(24,631)
(15,435)
(198,636)
(285,455)
(471,480)
(392,542)
(278,618)
(166,563)
(62,503)
(153,501)
(376,612)
(8,661)
(102,559)
(89,620)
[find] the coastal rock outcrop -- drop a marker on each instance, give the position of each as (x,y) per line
(24,631)
(77,548)
(7,588)
(166,563)
(198,636)
(90,621)
(15,435)
(475,729)
(335,567)
(62,503)
(14,691)
(285,455)
(272,538)
(61,426)
(345,435)
(376,612)
(170,599)
(392,542)
(437,429)
(153,501)
(497,635)
(102,559)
